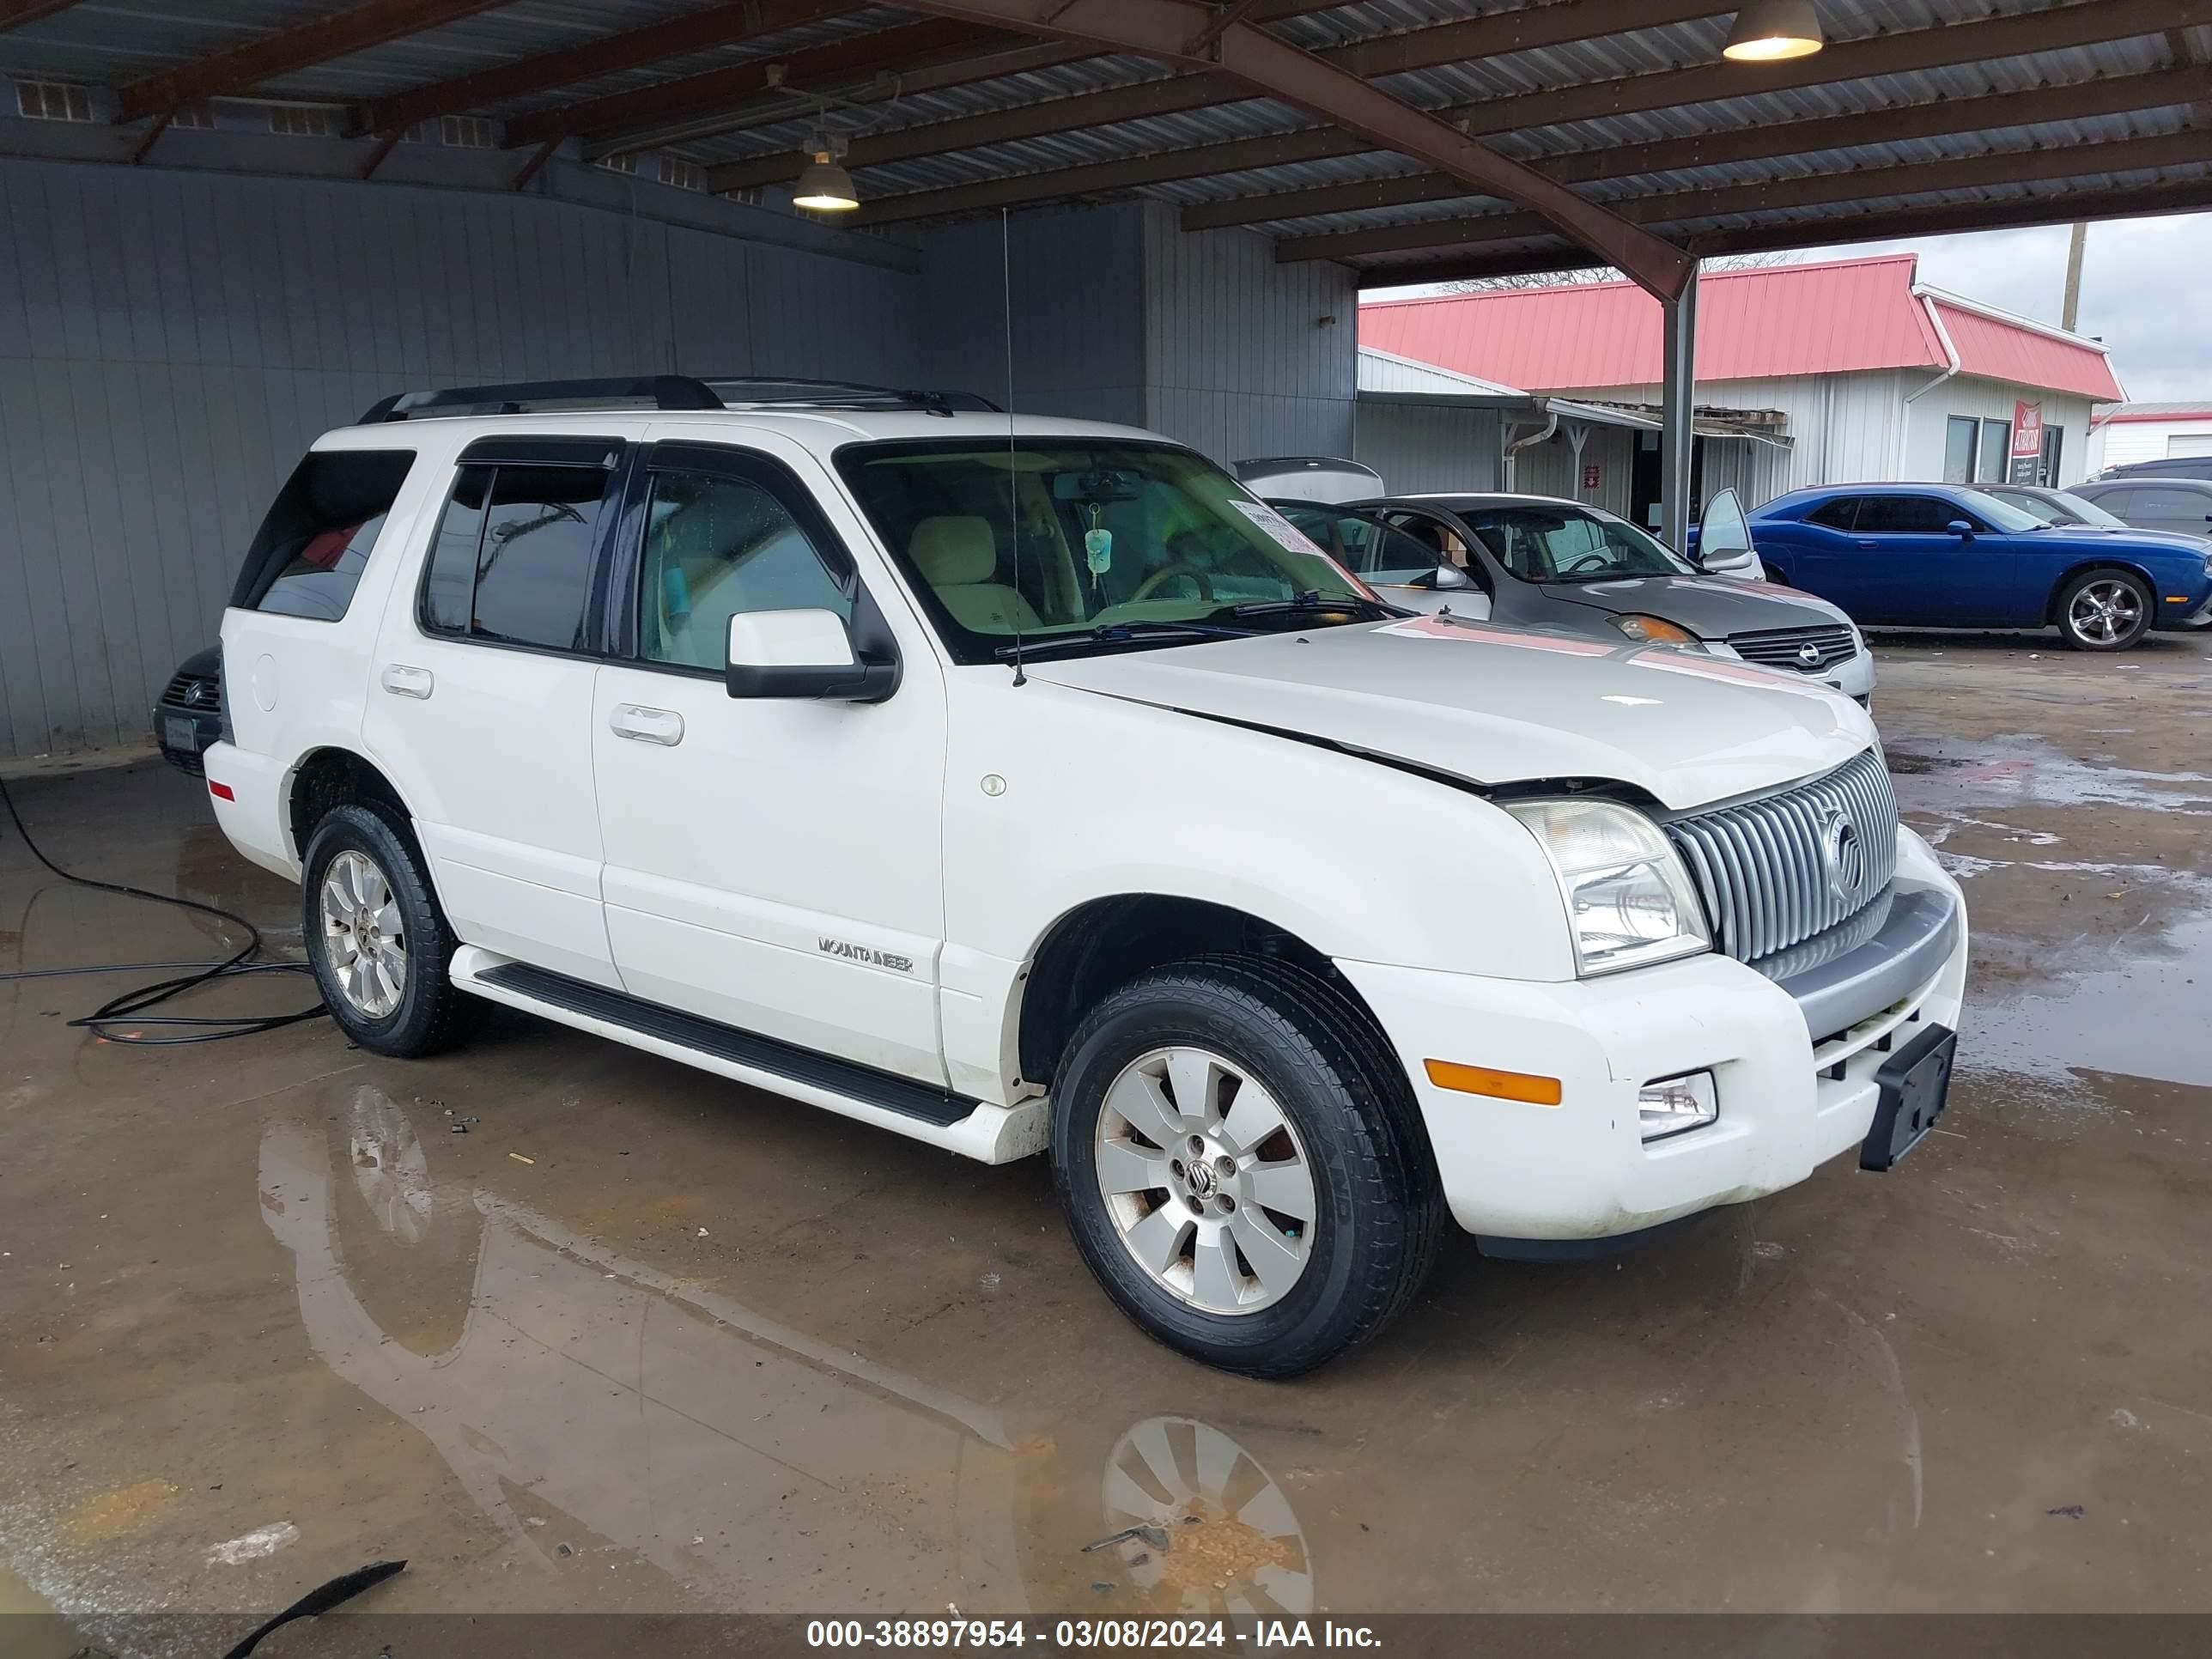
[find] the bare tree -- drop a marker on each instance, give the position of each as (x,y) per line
(1607,274)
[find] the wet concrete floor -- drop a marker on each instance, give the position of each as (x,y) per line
(641,1339)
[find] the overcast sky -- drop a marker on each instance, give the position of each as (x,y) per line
(2146,289)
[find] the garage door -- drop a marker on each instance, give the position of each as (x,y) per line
(2194,443)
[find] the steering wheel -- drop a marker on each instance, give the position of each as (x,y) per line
(1595,561)
(1160,579)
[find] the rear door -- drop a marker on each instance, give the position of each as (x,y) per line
(2164,507)
(772,864)
(480,697)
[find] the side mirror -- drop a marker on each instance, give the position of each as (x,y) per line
(802,653)
(1444,577)
(1725,561)
(1961,529)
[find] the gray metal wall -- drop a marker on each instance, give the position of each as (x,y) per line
(1078,303)
(1424,447)
(1245,357)
(170,342)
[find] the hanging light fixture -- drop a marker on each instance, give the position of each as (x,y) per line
(1766,31)
(825,186)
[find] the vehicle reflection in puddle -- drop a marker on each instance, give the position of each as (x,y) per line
(587,1400)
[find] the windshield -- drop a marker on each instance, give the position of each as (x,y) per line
(1046,537)
(2001,515)
(1367,547)
(1568,544)
(2080,509)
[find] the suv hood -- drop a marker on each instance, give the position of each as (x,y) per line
(1712,607)
(1501,705)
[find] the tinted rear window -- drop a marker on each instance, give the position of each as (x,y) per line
(316,539)
(515,554)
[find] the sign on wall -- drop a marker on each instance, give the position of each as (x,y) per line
(2027,442)
(1589,476)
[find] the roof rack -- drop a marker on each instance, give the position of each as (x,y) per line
(670,392)
(661,390)
(771,391)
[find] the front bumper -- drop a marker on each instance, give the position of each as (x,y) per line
(186,734)
(1791,1097)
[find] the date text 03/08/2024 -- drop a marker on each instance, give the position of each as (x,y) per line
(1086,1635)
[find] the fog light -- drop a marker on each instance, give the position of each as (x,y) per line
(1675,1104)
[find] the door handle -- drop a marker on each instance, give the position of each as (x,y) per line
(662,725)
(1867,544)
(402,681)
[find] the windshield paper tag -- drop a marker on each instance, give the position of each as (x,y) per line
(1286,534)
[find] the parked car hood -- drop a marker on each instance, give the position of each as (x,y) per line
(1503,705)
(1712,607)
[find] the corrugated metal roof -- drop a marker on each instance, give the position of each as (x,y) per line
(1797,320)
(111,42)
(1999,350)
(1837,317)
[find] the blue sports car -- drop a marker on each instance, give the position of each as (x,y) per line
(1944,555)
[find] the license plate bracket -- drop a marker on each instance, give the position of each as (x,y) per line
(180,733)
(1914,1085)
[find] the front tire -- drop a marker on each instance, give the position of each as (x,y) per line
(1242,1164)
(2105,610)
(377,940)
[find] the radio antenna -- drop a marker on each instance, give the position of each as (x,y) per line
(1013,507)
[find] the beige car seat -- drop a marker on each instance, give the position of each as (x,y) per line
(959,557)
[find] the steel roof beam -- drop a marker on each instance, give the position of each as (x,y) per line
(1166,29)
(1469,237)
(14,14)
(1530,27)
(655,42)
(1930,219)
(856,57)
(2058,28)
(2007,167)
(302,46)
(2119,95)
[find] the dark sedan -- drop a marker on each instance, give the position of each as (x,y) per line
(1944,555)
(188,714)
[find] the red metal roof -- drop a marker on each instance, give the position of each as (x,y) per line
(1832,317)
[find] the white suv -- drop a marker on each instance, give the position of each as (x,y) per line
(1020,785)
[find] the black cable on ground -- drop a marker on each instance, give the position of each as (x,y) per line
(321,1600)
(131,1005)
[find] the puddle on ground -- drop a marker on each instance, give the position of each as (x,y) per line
(1939,774)
(2142,1017)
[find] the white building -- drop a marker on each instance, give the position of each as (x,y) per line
(2122,434)
(1848,371)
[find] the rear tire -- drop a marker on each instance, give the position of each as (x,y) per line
(2105,610)
(379,943)
(1265,1244)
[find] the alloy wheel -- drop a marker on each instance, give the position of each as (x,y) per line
(1206,1183)
(2104,612)
(364,935)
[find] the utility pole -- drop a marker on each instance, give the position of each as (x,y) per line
(2070,311)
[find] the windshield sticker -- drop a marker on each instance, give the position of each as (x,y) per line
(1286,535)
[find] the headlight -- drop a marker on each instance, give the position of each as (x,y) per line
(1657,631)
(1628,897)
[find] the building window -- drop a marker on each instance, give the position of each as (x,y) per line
(197,117)
(299,121)
(52,100)
(1976,451)
(1996,451)
(619,163)
(1961,433)
(465,131)
(750,195)
(684,175)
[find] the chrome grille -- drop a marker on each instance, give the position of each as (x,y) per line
(200,693)
(1785,648)
(1763,868)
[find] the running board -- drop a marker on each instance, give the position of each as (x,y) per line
(974,1129)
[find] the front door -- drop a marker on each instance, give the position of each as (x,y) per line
(480,700)
(771,864)
(1911,568)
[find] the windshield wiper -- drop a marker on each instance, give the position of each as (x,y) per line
(1313,599)
(1121,633)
